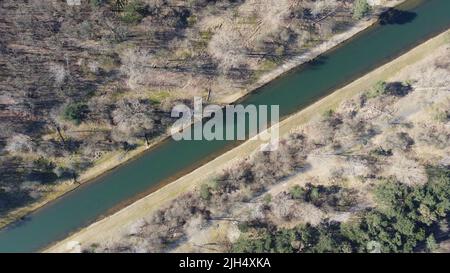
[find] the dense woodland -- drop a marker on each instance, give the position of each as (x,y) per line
(408,219)
(78,82)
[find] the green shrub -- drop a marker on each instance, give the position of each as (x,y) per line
(297,192)
(205,192)
(267,198)
(314,194)
(76,112)
(360,9)
(378,89)
(431,243)
(334,197)
(191,20)
(133,12)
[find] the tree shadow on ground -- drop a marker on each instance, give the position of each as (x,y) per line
(398,89)
(317,62)
(17,223)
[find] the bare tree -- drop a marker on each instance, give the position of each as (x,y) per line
(133,120)
(20,143)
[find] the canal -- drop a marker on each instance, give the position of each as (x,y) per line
(396,33)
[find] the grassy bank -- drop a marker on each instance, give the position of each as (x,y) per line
(114,224)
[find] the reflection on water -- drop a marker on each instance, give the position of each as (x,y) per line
(395,16)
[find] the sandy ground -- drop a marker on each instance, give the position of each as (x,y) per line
(118,158)
(115,224)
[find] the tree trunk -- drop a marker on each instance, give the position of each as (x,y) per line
(146,140)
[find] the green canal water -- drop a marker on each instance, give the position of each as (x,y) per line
(292,92)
